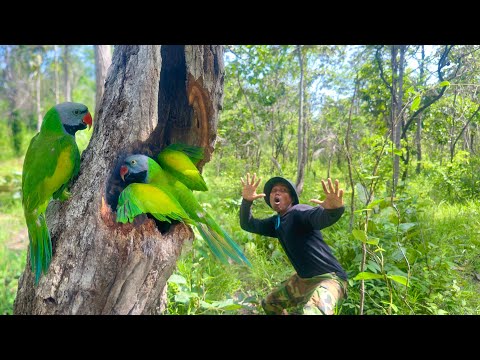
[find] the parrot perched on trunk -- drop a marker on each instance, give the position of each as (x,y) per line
(140,170)
(51,161)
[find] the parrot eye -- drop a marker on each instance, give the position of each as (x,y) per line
(133,162)
(76,112)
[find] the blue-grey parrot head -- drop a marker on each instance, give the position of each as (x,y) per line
(74,116)
(134,168)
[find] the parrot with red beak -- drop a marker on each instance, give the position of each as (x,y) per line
(51,161)
(165,191)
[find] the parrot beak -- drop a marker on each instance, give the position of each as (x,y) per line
(87,119)
(123,172)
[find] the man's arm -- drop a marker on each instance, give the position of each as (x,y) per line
(320,218)
(249,223)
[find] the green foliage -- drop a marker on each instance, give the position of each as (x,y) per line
(12,263)
(458,180)
(13,239)
(6,148)
(83,138)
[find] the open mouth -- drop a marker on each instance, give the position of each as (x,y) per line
(276,200)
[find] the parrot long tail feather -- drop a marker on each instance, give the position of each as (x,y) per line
(203,230)
(40,246)
(221,243)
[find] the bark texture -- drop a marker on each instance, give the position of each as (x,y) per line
(154,96)
(103,59)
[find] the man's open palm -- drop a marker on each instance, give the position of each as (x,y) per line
(249,191)
(334,196)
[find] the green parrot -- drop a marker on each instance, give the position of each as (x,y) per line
(51,161)
(180,161)
(173,198)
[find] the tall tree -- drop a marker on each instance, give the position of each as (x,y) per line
(418,134)
(103,59)
(55,71)
(302,136)
(66,73)
(154,96)
(397,113)
(16,89)
(36,65)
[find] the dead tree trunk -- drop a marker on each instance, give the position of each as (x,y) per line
(154,96)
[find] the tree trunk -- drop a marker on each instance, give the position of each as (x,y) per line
(418,136)
(103,59)
(398,119)
(38,86)
(154,96)
(57,83)
(397,113)
(301,161)
(401,113)
(66,79)
(393,114)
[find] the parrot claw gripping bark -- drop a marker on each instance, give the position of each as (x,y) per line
(165,191)
(51,161)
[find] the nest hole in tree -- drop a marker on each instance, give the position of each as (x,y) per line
(183,111)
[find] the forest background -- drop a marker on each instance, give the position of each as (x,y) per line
(398,125)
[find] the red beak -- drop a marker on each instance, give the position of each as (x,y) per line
(87,119)
(123,172)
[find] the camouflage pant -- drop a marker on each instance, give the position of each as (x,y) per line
(311,296)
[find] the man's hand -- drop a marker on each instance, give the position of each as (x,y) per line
(334,198)
(249,191)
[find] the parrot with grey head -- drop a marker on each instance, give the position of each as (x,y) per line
(51,161)
(166,193)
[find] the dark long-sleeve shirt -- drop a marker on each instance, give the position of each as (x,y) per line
(299,233)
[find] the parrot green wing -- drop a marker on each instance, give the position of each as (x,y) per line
(195,153)
(49,164)
(138,199)
(75,157)
(179,160)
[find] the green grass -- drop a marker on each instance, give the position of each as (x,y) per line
(443,250)
(13,235)
(440,240)
(451,237)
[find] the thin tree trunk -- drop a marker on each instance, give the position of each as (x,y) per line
(154,96)
(66,75)
(329,166)
(472,138)
(397,94)
(401,114)
(103,59)
(38,86)
(57,83)
(349,159)
(393,116)
(301,129)
(452,129)
(418,136)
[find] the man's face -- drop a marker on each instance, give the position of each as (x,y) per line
(280,198)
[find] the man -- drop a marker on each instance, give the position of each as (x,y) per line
(320,281)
